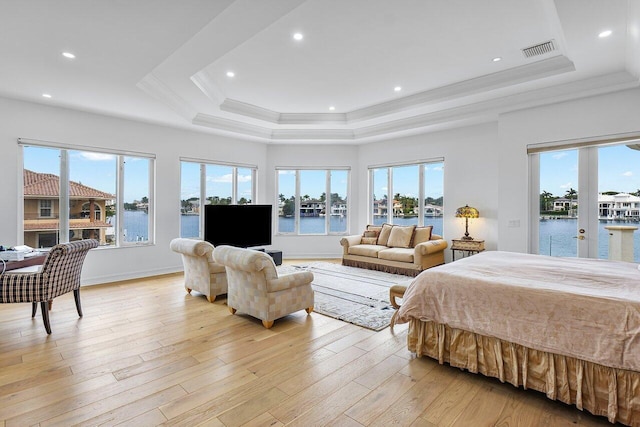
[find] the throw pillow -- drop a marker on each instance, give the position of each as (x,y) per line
(371,234)
(375,228)
(421,235)
(400,236)
(383,238)
(369,240)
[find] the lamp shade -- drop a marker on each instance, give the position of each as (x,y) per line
(467,212)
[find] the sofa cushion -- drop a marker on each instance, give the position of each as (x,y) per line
(366,250)
(421,235)
(400,236)
(397,254)
(385,232)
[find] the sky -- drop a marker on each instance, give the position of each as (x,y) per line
(618,170)
(96,170)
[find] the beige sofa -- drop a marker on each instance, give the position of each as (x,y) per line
(394,249)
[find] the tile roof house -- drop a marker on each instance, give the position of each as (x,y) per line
(87,210)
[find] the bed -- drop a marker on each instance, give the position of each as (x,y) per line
(568,327)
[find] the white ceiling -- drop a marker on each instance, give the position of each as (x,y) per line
(165,61)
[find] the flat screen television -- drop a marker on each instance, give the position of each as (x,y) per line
(242,226)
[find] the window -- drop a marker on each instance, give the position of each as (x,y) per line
(215,184)
(417,191)
(312,201)
(81,194)
(46,210)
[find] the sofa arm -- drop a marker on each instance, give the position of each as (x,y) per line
(430,247)
(288,281)
(348,241)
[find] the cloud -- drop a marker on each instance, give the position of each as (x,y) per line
(244,178)
(560,155)
(567,185)
(627,173)
(228,178)
(97,157)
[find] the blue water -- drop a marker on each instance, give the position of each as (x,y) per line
(557,237)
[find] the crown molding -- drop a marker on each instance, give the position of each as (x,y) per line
(476,112)
(524,73)
(205,83)
(250,110)
(231,126)
(155,87)
(313,134)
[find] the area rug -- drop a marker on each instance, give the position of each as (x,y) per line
(351,294)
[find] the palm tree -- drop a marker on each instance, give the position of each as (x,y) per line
(571,194)
(545,196)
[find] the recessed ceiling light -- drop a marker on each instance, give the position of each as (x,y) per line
(298,36)
(46,95)
(603,34)
(68,55)
(496,59)
(397,88)
(332,108)
(230,74)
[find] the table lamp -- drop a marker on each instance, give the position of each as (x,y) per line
(467,212)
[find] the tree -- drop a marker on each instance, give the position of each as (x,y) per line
(323,197)
(145,199)
(289,207)
(545,196)
(281,197)
(571,194)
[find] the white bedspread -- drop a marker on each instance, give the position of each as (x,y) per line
(584,308)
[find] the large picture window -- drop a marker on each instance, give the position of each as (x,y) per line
(312,201)
(416,194)
(73,194)
(216,184)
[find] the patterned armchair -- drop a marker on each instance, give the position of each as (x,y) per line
(59,274)
(256,289)
(201,272)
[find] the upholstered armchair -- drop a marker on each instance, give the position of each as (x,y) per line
(59,274)
(201,272)
(256,289)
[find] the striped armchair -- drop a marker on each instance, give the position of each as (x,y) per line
(201,272)
(59,274)
(256,289)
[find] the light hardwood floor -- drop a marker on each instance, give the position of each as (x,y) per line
(147,353)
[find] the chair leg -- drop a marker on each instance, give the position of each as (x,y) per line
(267,323)
(309,309)
(50,304)
(76,296)
(34,309)
(45,316)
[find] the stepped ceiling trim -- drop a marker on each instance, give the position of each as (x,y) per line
(536,70)
(477,112)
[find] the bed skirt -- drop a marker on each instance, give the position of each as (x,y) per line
(610,392)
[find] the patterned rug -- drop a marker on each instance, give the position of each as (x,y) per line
(350,294)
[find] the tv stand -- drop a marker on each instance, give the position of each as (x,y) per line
(276,255)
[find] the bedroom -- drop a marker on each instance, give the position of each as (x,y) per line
(485,155)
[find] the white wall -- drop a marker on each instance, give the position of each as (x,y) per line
(470,175)
(585,118)
(28,120)
(485,166)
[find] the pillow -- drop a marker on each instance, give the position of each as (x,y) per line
(369,240)
(400,236)
(383,238)
(421,235)
(371,234)
(375,228)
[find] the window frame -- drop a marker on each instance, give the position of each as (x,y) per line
(64,197)
(421,188)
(202,164)
(41,207)
(297,198)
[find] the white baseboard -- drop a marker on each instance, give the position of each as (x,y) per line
(118,277)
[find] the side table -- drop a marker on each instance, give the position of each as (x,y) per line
(469,246)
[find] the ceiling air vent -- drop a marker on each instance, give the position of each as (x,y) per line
(539,49)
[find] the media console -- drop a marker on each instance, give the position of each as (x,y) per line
(276,255)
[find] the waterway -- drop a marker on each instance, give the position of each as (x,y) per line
(557,236)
